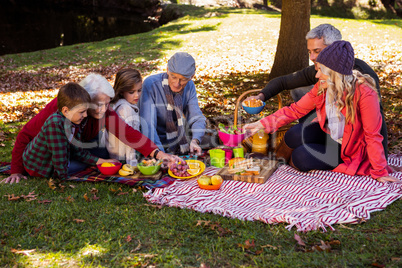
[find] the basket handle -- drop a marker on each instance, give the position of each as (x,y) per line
(248,92)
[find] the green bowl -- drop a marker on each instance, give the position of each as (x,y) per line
(148,170)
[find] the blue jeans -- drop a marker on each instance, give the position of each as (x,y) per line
(313,148)
(76,166)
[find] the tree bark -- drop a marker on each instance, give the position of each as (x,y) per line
(291,52)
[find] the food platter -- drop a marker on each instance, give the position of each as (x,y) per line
(202,168)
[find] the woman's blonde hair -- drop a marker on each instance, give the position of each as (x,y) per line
(339,84)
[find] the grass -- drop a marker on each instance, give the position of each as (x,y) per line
(234,49)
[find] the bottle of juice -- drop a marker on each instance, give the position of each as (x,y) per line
(260,142)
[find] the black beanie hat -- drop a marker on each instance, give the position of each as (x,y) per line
(339,57)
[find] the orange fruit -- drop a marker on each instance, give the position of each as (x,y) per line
(106,164)
(193,171)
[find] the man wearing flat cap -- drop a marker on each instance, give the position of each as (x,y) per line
(169,107)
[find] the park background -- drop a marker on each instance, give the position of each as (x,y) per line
(235,50)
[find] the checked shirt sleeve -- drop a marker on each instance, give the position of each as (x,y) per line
(58,145)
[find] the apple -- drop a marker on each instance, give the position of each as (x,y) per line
(216,180)
(204,180)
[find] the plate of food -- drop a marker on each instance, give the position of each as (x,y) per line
(189,169)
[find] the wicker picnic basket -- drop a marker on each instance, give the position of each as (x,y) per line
(274,138)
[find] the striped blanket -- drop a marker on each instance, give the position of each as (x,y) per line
(307,200)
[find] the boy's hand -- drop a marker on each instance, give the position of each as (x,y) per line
(14,178)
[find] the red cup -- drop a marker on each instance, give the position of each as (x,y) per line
(228,155)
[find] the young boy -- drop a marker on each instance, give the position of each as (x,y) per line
(48,154)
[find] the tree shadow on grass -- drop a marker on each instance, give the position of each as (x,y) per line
(50,69)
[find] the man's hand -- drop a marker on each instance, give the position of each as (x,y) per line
(260,96)
(14,178)
(195,148)
(388,179)
(253,128)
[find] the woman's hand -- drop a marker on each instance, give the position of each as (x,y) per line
(101,160)
(14,178)
(168,157)
(389,179)
(252,128)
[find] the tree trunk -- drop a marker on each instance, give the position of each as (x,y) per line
(291,52)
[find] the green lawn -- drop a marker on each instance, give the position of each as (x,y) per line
(234,50)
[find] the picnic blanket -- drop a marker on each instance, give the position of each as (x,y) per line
(307,200)
(92,174)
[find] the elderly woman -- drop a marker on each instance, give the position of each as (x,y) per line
(347,136)
(100,118)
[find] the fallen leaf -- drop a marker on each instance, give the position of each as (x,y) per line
(269,246)
(23,252)
(154,206)
(78,220)
(200,222)
(138,247)
(12,197)
(51,184)
(247,244)
(70,199)
(94,191)
(128,238)
(95,197)
(72,186)
(377,265)
(299,240)
(345,227)
(122,193)
(44,201)
(87,198)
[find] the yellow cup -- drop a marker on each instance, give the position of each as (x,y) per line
(238,152)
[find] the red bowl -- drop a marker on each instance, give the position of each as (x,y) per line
(110,170)
(231,140)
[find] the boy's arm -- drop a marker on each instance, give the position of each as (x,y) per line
(27,134)
(58,145)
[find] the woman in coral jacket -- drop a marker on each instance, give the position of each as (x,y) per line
(347,136)
(100,118)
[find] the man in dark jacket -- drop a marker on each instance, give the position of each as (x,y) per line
(302,81)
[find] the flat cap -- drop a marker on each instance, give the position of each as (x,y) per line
(182,63)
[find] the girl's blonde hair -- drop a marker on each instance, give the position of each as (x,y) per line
(125,81)
(338,84)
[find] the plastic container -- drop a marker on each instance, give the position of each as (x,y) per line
(148,170)
(254,110)
(231,140)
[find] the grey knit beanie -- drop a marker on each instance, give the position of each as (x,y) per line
(339,57)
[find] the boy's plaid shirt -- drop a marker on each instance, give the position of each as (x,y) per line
(49,152)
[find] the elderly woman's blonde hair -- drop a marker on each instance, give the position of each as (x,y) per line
(95,84)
